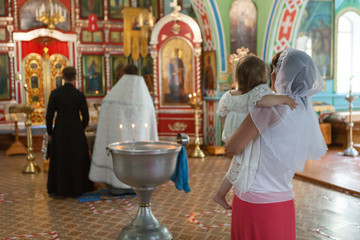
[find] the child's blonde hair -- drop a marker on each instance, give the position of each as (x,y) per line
(251,71)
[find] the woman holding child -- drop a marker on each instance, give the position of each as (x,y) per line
(287,138)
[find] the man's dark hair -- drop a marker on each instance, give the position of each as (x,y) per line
(69,73)
(131,69)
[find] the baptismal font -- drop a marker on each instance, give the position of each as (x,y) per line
(144,165)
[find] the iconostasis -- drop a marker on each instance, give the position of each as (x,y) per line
(39,38)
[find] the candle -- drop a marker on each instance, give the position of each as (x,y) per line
(133,127)
(146,125)
(141,20)
(122,136)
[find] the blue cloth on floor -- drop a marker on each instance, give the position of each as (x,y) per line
(102,194)
(181,174)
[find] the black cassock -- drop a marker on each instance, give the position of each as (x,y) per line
(69,154)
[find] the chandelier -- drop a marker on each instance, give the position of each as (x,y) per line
(50,16)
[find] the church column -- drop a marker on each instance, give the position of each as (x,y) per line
(198,68)
(107,72)
(79,65)
(12,76)
(154,55)
(78,57)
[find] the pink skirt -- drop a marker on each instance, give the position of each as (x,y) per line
(269,221)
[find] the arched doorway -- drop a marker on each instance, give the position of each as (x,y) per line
(42,55)
(41,76)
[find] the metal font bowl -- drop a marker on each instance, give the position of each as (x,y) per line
(144,164)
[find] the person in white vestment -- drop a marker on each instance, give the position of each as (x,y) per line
(128,102)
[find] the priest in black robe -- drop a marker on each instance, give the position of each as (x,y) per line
(69,153)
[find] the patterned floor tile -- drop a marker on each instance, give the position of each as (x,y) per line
(27,212)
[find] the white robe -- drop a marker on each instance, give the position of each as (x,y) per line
(129,102)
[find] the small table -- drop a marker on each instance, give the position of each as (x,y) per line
(16,147)
(340,127)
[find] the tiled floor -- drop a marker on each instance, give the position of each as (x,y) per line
(27,212)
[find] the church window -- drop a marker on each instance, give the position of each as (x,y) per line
(348,53)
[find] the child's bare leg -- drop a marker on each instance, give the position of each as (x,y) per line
(220,196)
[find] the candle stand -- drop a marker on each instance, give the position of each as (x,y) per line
(350,151)
(16,147)
(31,166)
(195,103)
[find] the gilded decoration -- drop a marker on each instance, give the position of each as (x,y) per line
(34,80)
(175,28)
(177,127)
(57,62)
(137,23)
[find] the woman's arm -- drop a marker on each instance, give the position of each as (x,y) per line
(242,136)
(272,100)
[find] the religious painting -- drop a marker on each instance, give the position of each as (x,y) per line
(243,24)
(28,15)
(93,75)
(117,67)
(116,37)
(2,8)
(98,36)
(4,77)
(34,82)
(2,34)
(146,70)
(315,34)
(176,72)
(86,36)
(116,7)
(186,8)
(224,87)
(89,7)
(149,3)
(209,77)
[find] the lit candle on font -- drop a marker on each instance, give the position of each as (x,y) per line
(122,136)
(133,127)
(146,125)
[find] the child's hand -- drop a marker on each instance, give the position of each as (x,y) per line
(289,101)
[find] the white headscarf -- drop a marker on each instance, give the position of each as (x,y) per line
(297,74)
(293,136)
